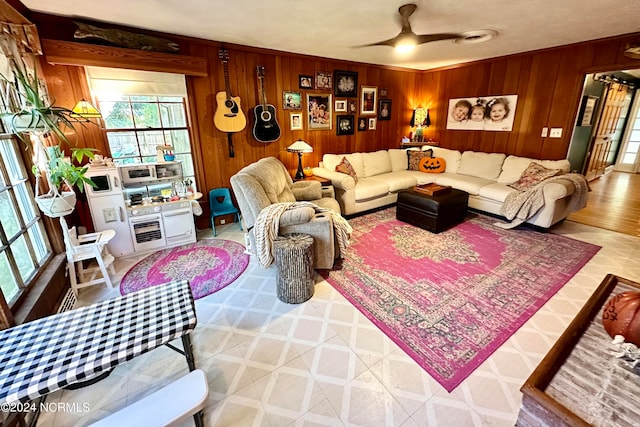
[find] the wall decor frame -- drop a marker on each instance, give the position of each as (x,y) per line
(477,113)
(305,82)
(324,80)
(362,124)
(340,106)
(346,83)
(384,93)
(291,100)
(384,112)
(319,111)
(295,119)
(368,99)
(353,106)
(587,110)
(372,123)
(344,124)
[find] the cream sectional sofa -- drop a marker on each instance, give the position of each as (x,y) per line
(381,174)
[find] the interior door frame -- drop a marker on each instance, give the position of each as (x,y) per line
(633,114)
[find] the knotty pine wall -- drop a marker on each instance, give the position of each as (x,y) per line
(548,84)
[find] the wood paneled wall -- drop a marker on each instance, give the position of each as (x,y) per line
(548,84)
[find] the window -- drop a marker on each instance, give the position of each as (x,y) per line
(24,246)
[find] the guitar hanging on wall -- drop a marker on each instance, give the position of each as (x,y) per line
(266,127)
(228,116)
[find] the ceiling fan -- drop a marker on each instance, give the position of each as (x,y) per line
(407,39)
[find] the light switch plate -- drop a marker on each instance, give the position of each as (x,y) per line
(556,133)
(545,132)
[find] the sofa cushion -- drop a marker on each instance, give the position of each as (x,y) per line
(414,157)
(513,167)
(533,175)
(307,190)
(295,216)
(398,180)
(345,167)
(481,165)
(398,157)
(376,163)
(468,183)
(370,188)
(330,161)
(496,191)
(452,157)
(274,179)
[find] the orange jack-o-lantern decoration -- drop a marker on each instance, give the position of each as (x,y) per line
(621,316)
(432,165)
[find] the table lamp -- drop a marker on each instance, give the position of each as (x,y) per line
(300,147)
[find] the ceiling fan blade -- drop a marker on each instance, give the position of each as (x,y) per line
(390,42)
(426,38)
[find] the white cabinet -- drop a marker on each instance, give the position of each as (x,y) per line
(109,212)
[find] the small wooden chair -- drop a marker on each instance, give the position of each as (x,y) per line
(87,247)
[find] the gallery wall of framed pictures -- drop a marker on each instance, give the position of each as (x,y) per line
(314,107)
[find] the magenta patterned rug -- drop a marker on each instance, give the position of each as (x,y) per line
(209,265)
(449,300)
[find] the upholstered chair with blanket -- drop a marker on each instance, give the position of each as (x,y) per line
(267,182)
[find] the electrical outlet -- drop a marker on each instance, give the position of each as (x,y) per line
(222,221)
(545,132)
(556,133)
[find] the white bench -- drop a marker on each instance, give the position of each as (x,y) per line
(166,407)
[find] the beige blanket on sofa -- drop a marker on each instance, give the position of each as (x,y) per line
(519,206)
(268,223)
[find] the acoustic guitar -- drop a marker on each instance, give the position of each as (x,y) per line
(228,116)
(266,127)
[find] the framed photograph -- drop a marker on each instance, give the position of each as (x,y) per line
(318,111)
(324,80)
(372,124)
(344,124)
(362,124)
(305,82)
(292,100)
(588,107)
(368,99)
(341,106)
(296,121)
(384,112)
(384,92)
(346,84)
(353,106)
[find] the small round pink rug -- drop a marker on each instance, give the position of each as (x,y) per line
(209,265)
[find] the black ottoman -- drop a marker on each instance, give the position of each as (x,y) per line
(433,213)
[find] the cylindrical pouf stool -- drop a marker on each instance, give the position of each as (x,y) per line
(295,272)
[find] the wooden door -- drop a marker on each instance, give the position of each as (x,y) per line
(606,127)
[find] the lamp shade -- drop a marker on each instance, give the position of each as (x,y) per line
(85,110)
(300,147)
(419,117)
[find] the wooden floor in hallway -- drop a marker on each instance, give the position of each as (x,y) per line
(613,204)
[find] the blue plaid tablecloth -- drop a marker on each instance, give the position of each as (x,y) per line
(42,356)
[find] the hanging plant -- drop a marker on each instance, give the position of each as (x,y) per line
(39,118)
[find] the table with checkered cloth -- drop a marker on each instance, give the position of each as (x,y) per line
(42,356)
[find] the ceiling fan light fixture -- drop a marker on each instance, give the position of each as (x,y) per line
(406,42)
(476,36)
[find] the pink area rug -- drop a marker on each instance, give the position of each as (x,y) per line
(209,265)
(449,300)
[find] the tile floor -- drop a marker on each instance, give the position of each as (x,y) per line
(322,363)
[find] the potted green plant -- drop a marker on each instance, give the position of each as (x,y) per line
(38,117)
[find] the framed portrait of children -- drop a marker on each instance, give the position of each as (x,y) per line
(372,124)
(305,82)
(344,124)
(319,111)
(324,80)
(362,124)
(296,121)
(292,100)
(353,106)
(384,112)
(483,113)
(368,99)
(346,84)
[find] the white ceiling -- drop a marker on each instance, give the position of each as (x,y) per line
(329,28)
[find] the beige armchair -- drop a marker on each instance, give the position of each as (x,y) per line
(266,182)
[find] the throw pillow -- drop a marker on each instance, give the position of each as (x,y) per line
(532,175)
(432,165)
(345,167)
(414,157)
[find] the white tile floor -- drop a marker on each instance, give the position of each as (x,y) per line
(323,363)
